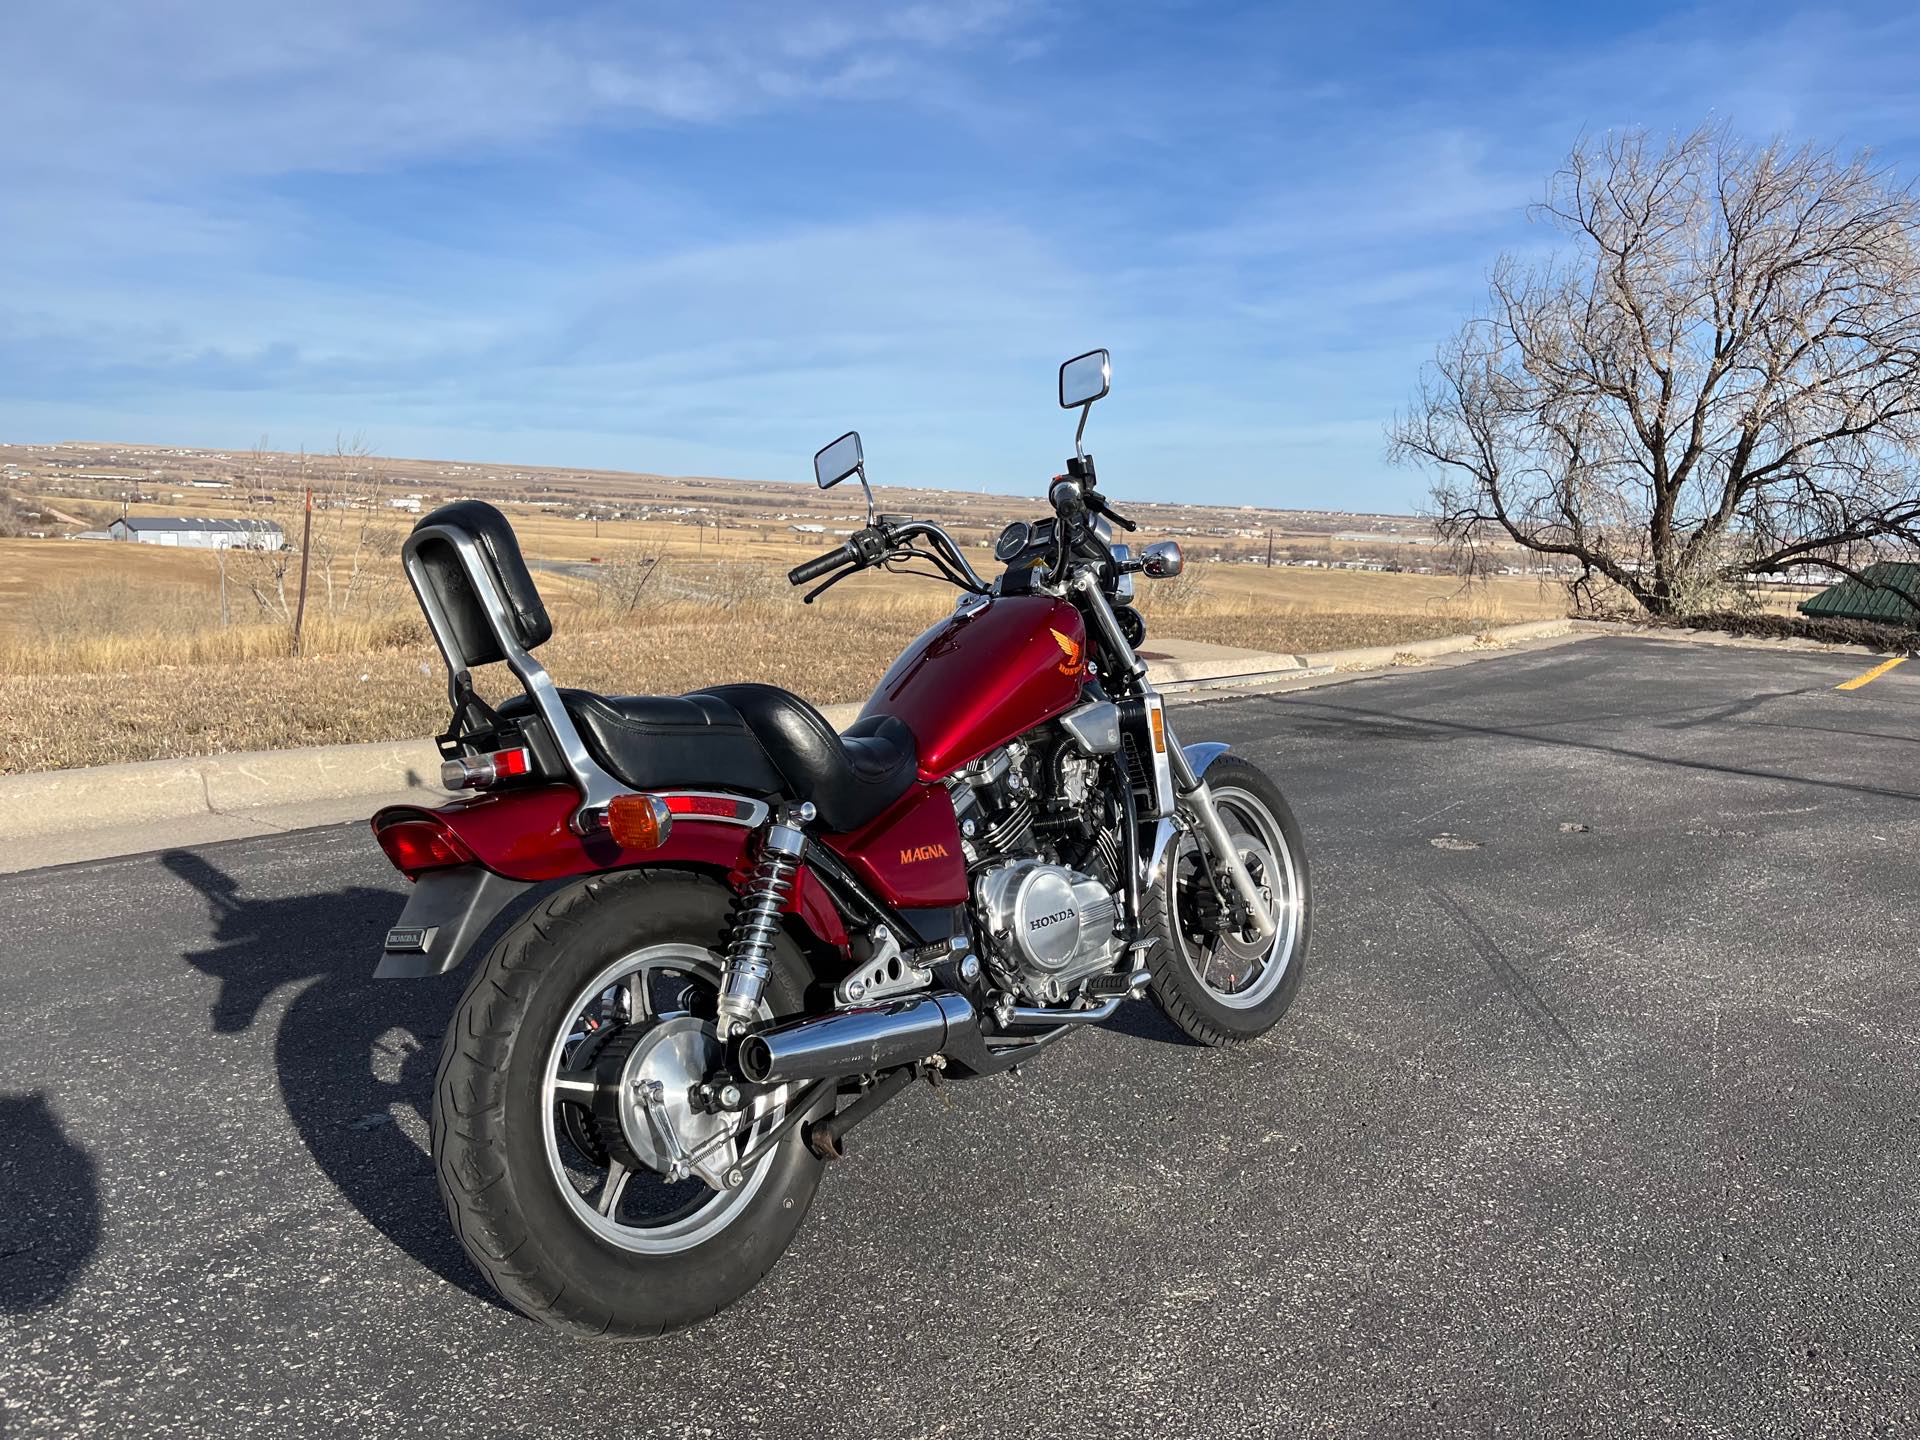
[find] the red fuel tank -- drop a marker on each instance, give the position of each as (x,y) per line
(978,679)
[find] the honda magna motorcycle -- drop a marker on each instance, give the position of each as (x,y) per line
(763,930)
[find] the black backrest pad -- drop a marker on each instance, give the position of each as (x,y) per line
(454,593)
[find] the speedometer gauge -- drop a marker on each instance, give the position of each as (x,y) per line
(1014,539)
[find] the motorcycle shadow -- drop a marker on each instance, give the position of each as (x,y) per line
(50,1194)
(354,1057)
(1145,1020)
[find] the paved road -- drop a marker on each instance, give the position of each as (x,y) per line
(1605,1130)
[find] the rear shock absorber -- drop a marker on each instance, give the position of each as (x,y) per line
(750,954)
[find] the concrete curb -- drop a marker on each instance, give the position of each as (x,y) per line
(55,802)
(1376,657)
(143,797)
(1245,662)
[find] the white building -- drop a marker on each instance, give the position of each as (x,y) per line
(199,534)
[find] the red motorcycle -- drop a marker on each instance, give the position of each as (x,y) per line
(758,931)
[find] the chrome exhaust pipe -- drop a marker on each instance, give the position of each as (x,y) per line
(855,1042)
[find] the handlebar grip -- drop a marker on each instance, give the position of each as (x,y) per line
(820,564)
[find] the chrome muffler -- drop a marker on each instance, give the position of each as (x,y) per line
(855,1042)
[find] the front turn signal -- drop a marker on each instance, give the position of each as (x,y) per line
(639,822)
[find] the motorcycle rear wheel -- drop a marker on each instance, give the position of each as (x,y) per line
(1221,987)
(629,1257)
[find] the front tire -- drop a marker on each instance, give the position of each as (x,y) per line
(1221,986)
(508,1151)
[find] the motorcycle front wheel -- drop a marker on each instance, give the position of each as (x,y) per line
(1219,982)
(569,1151)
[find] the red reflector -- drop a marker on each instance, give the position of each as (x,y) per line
(477,772)
(704,805)
(417,842)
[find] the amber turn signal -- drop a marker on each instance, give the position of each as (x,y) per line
(639,822)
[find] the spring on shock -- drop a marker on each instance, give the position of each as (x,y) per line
(750,952)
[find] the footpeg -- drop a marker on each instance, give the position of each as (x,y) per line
(1106,987)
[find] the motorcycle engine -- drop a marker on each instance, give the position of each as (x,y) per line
(1035,824)
(1056,926)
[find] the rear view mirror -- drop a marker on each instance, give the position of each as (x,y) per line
(839,460)
(1084,379)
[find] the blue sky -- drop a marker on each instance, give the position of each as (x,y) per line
(706,238)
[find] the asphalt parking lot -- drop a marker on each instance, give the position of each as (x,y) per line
(1597,1115)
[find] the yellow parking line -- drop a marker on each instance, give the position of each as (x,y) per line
(1871,675)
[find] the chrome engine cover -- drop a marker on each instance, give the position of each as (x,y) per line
(1053,925)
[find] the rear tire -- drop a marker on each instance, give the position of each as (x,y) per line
(490,1140)
(1176,907)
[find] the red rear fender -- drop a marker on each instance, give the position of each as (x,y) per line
(525,835)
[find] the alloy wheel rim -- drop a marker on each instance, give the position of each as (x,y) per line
(1269,859)
(635,1209)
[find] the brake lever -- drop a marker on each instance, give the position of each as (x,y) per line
(1098,502)
(828,583)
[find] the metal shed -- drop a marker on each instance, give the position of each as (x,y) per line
(1858,600)
(198,534)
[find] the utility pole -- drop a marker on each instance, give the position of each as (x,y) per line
(1269,547)
(306,549)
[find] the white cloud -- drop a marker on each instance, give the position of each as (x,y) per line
(129,89)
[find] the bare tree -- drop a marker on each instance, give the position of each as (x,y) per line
(624,578)
(1721,377)
(354,539)
(264,571)
(353,536)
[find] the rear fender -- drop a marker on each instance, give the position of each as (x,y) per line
(524,837)
(446,912)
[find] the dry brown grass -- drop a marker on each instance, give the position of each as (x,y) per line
(133,671)
(147,711)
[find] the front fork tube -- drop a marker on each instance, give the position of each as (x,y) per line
(1188,785)
(1197,797)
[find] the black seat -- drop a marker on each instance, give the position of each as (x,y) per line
(751,739)
(850,777)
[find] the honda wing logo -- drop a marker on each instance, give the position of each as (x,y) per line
(1070,648)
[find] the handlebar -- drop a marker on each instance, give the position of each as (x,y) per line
(944,543)
(891,536)
(887,539)
(820,564)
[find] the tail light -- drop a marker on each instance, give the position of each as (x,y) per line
(477,772)
(416,842)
